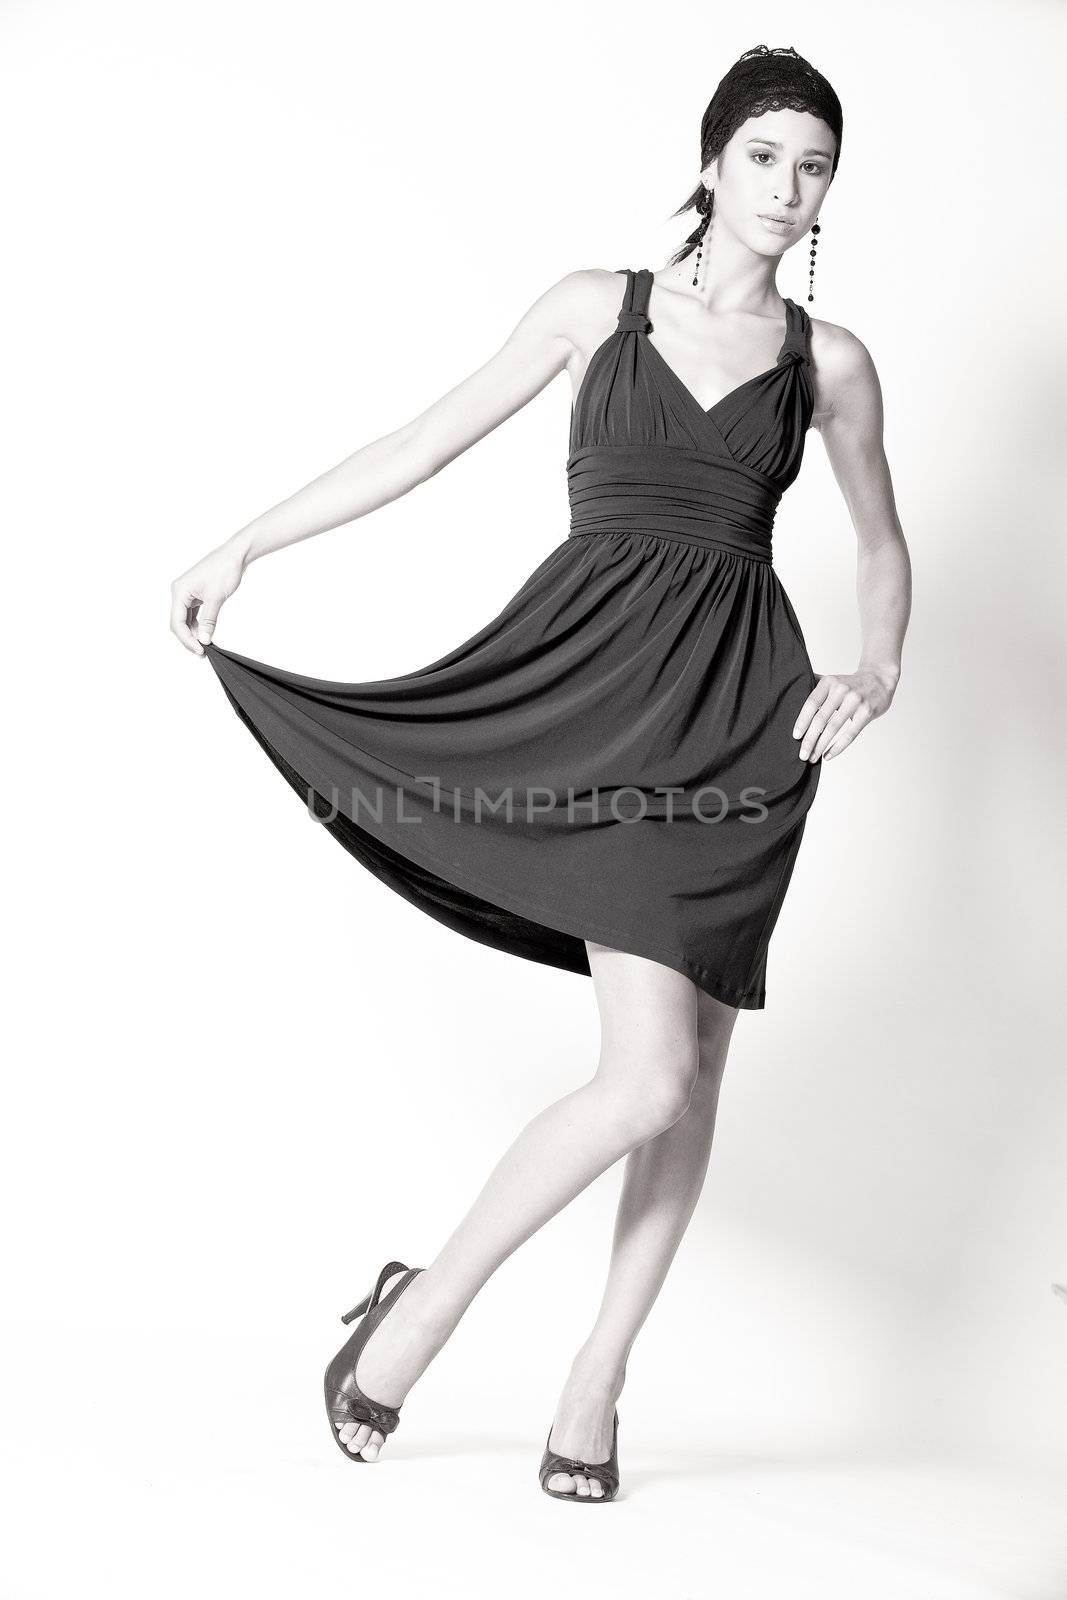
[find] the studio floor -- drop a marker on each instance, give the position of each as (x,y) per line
(120,1480)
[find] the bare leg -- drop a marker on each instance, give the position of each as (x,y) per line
(647,1071)
(661,1185)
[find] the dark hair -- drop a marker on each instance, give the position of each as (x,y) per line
(760,80)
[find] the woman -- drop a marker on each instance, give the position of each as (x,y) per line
(653,672)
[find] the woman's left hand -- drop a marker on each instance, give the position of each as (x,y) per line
(840,704)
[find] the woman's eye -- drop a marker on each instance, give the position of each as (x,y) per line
(816,173)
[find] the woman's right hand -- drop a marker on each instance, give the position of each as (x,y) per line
(197,596)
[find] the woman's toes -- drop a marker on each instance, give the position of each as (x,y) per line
(360,1437)
(581,1485)
(596,1489)
(561,1481)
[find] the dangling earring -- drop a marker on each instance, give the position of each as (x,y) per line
(815,231)
(705,205)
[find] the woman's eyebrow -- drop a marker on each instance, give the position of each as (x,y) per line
(775,145)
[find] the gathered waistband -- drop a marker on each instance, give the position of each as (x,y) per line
(672,493)
(672,538)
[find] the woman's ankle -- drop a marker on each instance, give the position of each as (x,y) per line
(599,1368)
(436,1307)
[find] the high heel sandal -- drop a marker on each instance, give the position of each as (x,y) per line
(605,1472)
(345,1400)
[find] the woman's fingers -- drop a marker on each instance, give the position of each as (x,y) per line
(199,594)
(809,708)
(845,706)
(838,707)
(814,716)
(206,619)
(183,603)
(859,719)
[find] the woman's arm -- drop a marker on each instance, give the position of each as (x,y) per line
(849,417)
(537,349)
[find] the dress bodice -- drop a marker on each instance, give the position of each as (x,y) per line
(644,451)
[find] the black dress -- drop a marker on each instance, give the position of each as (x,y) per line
(611,757)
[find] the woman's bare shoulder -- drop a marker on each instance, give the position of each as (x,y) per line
(842,367)
(580,303)
(838,349)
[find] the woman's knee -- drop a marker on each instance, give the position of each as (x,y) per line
(650,1049)
(671,1096)
(652,1088)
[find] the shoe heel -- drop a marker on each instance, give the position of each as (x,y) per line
(388,1271)
(357,1311)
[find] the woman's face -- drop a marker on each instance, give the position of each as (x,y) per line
(775,166)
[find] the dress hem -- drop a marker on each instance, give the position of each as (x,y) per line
(562,922)
(534,910)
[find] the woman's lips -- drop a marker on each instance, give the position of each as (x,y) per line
(776,224)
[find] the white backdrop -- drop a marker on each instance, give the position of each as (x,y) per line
(242,240)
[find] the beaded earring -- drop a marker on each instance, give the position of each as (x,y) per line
(705,205)
(815,231)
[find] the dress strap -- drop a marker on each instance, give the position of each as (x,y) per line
(633,318)
(798,323)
